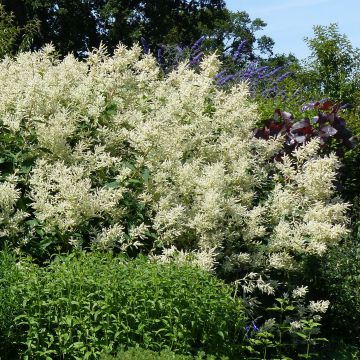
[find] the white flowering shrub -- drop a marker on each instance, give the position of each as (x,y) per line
(109,152)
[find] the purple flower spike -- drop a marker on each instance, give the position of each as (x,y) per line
(220,74)
(225,79)
(198,42)
(145,46)
(284,76)
(179,53)
(239,50)
(250,328)
(159,55)
(196,59)
(261,69)
(273,72)
(179,50)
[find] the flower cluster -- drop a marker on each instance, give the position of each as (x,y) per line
(306,217)
(117,153)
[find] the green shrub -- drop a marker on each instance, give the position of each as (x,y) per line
(81,305)
(341,285)
(351,176)
(14,38)
(142,354)
(109,153)
(10,301)
(338,350)
(116,155)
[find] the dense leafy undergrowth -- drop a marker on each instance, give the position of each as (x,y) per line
(142,354)
(111,156)
(82,305)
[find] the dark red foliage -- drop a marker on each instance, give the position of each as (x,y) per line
(327,125)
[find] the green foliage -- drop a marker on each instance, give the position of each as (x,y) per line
(291,329)
(338,350)
(8,32)
(288,97)
(10,301)
(13,37)
(333,69)
(351,178)
(238,28)
(340,282)
(353,119)
(142,354)
(78,26)
(84,304)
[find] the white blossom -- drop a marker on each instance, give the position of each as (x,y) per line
(300,292)
(319,306)
(296,326)
(113,128)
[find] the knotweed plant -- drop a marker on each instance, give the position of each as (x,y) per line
(111,153)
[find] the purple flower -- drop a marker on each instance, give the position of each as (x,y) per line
(238,51)
(224,79)
(272,92)
(198,42)
(196,59)
(145,46)
(261,69)
(283,76)
(275,71)
(179,50)
(249,328)
(159,55)
(179,53)
(238,74)
(250,70)
(220,74)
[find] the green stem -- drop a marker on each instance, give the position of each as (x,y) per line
(308,347)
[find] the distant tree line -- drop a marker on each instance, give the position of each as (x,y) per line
(77,26)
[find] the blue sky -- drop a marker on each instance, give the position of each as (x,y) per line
(289,21)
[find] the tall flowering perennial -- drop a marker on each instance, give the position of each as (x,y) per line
(110,152)
(306,218)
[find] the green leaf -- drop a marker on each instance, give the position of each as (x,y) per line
(112,185)
(146,175)
(276,308)
(303,336)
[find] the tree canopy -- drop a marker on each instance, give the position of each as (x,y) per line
(333,69)
(79,25)
(14,37)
